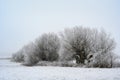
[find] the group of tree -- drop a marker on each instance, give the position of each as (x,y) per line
(44,48)
(87,46)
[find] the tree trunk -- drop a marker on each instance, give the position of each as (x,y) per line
(80,57)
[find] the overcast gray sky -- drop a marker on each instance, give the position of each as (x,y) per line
(21,21)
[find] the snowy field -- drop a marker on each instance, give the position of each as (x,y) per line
(15,71)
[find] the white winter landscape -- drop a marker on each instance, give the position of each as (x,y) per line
(39,39)
(15,71)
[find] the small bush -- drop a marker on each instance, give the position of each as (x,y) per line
(18,56)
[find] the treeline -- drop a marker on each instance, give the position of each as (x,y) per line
(88,47)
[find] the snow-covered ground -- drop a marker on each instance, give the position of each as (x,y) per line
(15,71)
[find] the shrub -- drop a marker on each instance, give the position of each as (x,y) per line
(18,56)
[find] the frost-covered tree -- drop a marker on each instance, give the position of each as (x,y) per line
(103,50)
(45,48)
(84,41)
(48,45)
(28,55)
(31,54)
(77,40)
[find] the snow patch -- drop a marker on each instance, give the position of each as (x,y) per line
(14,71)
